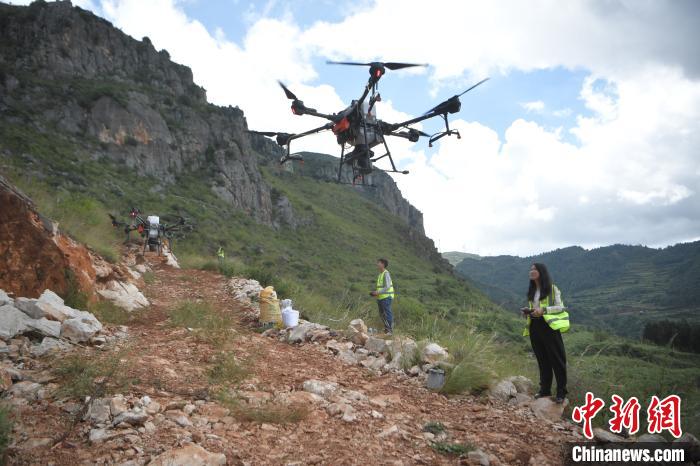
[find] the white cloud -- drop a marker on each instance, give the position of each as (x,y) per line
(534,106)
(562,113)
(631,178)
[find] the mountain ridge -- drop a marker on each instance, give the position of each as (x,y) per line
(618,287)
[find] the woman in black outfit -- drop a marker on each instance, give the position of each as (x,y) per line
(546,320)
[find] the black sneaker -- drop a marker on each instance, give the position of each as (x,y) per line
(541,395)
(559,400)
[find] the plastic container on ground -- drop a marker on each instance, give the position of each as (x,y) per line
(436,378)
(290,317)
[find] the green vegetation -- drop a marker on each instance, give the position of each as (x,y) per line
(109,313)
(227,370)
(456,449)
(210,325)
(681,334)
(434,427)
(94,376)
(269,412)
(148,277)
(74,297)
(5,430)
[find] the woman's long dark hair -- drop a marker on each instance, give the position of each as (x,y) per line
(545,283)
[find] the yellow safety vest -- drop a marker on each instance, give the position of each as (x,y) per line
(220,253)
(556,321)
(380,284)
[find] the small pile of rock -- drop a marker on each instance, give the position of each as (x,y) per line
(46,316)
(123,294)
(122,421)
(348,405)
(359,347)
(246,291)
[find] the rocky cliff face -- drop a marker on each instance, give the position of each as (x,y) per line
(87,79)
(64,69)
(36,256)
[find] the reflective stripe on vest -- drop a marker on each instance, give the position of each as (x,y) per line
(380,284)
(556,321)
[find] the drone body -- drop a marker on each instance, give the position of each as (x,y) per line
(358,130)
(155,233)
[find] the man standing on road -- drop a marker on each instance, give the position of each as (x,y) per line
(384,293)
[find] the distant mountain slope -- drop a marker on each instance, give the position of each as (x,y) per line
(615,287)
(455,257)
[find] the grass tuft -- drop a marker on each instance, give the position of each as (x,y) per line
(434,427)
(99,375)
(210,326)
(269,413)
(456,449)
(227,370)
(109,313)
(5,429)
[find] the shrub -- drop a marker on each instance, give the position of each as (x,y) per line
(227,370)
(269,413)
(5,430)
(110,313)
(148,277)
(211,326)
(95,376)
(457,449)
(74,296)
(434,427)
(467,377)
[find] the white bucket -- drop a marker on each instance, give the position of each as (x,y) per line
(290,317)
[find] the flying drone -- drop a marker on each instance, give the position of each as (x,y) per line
(156,234)
(357,128)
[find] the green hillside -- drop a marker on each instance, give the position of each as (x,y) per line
(332,256)
(618,288)
(455,257)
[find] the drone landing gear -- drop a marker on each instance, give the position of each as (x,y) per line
(442,134)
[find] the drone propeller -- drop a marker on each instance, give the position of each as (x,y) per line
(388,65)
(281,138)
(290,95)
(298,107)
(264,133)
(477,84)
(452,104)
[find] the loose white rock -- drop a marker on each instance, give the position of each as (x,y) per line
(49,345)
(125,295)
(80,328)
(12,322)
(321,388)
(434,353)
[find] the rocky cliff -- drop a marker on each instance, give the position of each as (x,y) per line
(35,255)
(66,70)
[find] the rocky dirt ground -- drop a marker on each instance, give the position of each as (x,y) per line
(170,413)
